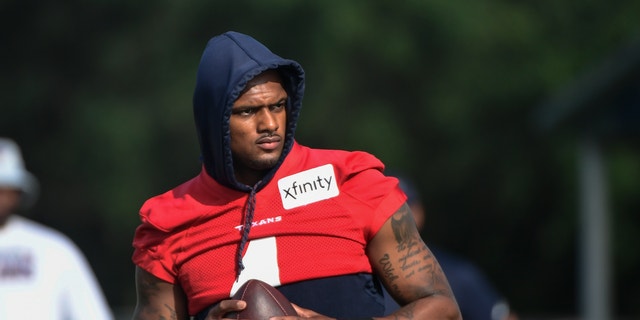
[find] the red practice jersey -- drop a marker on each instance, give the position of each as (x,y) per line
(312,220)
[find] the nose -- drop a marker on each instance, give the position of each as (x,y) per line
(267,121)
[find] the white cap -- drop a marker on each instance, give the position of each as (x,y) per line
(13,173)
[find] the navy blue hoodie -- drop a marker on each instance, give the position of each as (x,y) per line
(229,61)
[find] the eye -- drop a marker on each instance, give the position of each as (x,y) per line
(244,111)
(278,107)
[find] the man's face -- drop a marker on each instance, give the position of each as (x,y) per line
(258,126)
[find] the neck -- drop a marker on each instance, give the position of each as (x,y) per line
(249,177)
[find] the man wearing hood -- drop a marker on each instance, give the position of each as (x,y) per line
(326,227)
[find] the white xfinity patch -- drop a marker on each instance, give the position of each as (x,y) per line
(308,186)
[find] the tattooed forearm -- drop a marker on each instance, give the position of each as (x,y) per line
(408,243)
(412,261)
(410,271)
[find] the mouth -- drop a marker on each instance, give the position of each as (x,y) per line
(269,142)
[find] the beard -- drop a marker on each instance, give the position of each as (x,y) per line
(251,170)
(261,164)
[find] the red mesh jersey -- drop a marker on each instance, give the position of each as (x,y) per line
(312,220)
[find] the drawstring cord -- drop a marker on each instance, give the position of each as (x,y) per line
(248,219)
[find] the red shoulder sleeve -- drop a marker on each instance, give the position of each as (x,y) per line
(156,240)
(364,179)
(154,246)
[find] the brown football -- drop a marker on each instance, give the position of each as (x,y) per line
(263,302)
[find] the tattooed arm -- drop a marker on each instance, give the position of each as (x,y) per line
(410,272)
(158,299)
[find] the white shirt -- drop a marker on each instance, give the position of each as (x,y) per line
(43,275)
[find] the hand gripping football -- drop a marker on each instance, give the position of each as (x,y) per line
(263,302)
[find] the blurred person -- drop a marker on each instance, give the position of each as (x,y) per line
(326,227)
(477,297)
(43,275)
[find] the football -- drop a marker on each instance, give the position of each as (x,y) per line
(263,302)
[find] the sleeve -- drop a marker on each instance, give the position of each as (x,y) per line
(152,251)
(157,240)
(380,194)
(82,295)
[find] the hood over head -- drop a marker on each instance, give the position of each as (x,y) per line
(228,62)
